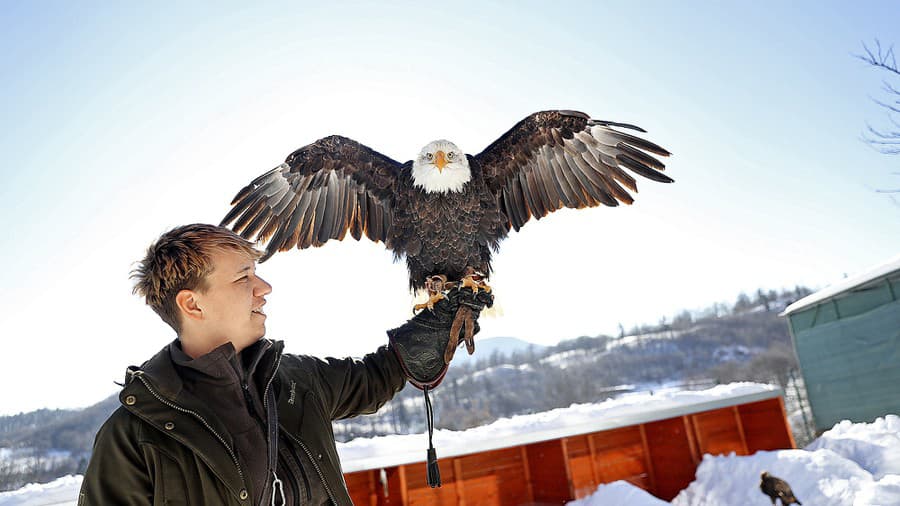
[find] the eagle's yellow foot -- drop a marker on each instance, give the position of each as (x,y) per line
(432,300)
(434,285)
(475,282)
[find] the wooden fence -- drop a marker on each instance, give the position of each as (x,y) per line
(660,456)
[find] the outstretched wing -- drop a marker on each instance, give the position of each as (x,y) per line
(553,159)
(319,193)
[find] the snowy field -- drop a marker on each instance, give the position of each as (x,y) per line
(60,492)
(851,464)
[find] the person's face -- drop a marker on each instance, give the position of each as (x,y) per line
(232,303)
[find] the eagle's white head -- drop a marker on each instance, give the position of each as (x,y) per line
(441,167)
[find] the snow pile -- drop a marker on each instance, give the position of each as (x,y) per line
(875,446)
(817,477)
(59,492)
(619,492)
(853,464)
(365,453)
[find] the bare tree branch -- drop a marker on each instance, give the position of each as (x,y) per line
(880,58)
(885,141)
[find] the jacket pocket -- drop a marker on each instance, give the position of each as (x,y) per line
(169,488)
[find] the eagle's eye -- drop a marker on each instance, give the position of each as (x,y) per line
(450,155)
(429,156)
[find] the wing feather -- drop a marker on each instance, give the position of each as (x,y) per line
(307,228)
(528,191)
(562,184)
(555,159)
(285,234)
(537,189)
(546,183)
(575,191)
(319,193)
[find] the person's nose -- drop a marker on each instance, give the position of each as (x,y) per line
(263,288)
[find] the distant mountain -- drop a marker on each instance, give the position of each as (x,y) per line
(504,346)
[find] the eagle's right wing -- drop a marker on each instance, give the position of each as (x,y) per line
(320,192)
(555,159)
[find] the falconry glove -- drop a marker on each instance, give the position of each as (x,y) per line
(421,345)
(421,342)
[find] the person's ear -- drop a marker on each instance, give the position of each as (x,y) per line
(187,303)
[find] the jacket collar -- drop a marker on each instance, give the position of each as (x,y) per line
(161,370)
(222,365)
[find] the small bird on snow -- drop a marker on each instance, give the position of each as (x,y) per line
(776,488)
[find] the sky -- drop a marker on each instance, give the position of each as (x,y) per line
(120,122)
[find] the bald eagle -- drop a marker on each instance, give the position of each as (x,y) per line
(445,211)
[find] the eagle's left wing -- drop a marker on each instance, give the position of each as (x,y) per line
(553,159)
(321,191)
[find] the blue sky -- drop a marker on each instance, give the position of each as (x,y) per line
(120,122)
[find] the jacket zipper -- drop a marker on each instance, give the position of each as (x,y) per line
(272,440)
(269,383)
(197,415)
(315,465)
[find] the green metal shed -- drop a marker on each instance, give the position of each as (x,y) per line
(847,339)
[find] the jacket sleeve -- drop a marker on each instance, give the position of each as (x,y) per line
(351,387)
(118,472)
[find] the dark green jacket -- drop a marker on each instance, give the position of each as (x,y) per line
(163,446)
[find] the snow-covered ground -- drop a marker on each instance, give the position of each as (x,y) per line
(853,464)
(60,492)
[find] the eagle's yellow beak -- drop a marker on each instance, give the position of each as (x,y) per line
(440,160)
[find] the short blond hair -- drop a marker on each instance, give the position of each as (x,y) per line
(180,260)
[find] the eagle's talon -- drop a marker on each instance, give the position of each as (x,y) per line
(429,304)
(475,281)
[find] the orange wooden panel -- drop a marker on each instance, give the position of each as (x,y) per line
(717,432)
(512,490)
(484,489)
(490,461)
(582,474)
(394,493)
(650,479)
(577,446)
(620,455)
(496,474)
(361,486)
(549,472)
(419,492)
(670,456)
(494,477)
(446,494)
(616,438)
(765,426)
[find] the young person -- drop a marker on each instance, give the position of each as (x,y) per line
(222,416)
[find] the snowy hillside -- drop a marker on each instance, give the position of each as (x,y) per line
(504,346)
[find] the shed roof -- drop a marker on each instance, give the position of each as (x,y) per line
(630,409)
(845,285)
